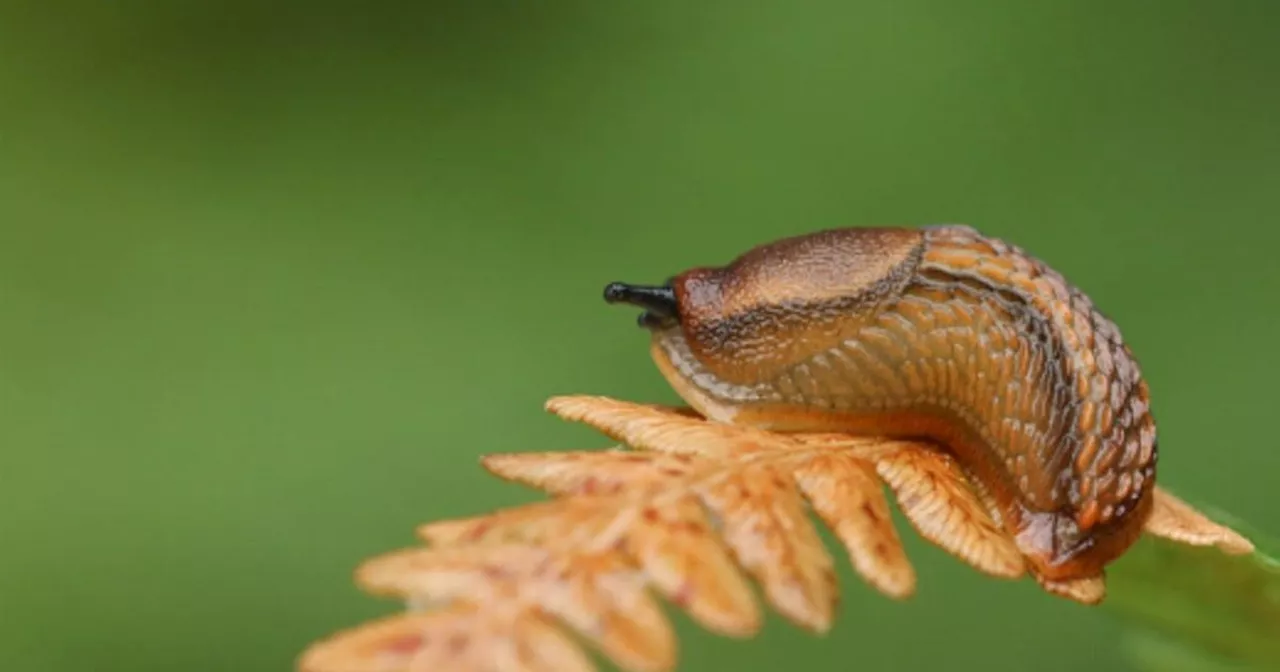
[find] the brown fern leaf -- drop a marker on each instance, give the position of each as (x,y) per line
(936,497)
(583,473)
(671,542)
(847,496)
(693,511)
(932,492)
(599,595)
(690,513)
(1174,519)
(755,505)
(627,520)
(458,638)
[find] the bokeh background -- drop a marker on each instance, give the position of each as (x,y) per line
(273,275)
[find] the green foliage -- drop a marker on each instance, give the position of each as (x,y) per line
(265,268)
(1198,609)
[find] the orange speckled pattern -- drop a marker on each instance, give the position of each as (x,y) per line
(938,333)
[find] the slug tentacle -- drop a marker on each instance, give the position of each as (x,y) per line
(937,333)
(659,302)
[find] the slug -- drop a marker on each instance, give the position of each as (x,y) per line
(938,334)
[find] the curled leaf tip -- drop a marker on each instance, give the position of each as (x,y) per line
(1174,519)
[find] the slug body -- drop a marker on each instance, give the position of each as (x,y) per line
(939,334)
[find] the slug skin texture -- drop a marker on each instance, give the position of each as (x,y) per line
(938,334)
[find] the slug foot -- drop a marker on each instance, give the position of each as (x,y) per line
(713,518)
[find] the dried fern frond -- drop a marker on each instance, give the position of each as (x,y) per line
(694,511)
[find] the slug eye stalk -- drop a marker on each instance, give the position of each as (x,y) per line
(659,303)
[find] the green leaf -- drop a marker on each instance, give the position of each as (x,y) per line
(1199,609)
(1150,652)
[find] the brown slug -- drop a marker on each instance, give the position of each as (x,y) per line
(938,334)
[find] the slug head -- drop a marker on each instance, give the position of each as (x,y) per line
(722,335)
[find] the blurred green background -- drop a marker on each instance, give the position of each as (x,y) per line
(273,275)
